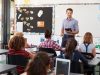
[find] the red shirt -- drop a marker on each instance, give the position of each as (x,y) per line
(19,52)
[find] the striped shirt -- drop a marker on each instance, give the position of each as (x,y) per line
(50,44)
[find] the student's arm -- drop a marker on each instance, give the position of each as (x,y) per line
(32,55)
(56,46)
(29,55)
(26,44)
(94,52)
(80,50)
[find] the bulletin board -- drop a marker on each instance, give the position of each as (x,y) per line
(34,19)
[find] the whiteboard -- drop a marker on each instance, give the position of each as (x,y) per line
(88,17)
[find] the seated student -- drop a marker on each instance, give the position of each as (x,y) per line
(17,47)
(75,56)
(71,52)
(49,43)
(87,45)
(21,34)
(39,65)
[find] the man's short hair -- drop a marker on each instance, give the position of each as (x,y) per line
(69,9)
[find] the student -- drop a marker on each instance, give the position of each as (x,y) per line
(39,65)
(74,55)
(18,34)
(71,52)
(21,34)
(87,45)
(49,43)
(17,47)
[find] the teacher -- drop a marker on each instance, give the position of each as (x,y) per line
(69,27)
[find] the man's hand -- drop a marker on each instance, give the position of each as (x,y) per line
(70,32)
(62,34)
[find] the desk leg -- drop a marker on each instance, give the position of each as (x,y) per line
(99,69)
(94,70)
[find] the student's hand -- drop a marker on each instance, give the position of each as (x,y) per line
(32,54)
(63,49)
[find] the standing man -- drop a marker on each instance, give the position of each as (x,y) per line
(69,27)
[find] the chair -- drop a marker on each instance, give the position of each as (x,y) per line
(52,51)
(76,67)
(18,60)
(48,50)
(89,69)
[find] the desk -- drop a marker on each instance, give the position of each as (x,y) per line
(3,51)
(54,74)
(36,50)
(76,74)
(4,68)
(31,49)
(97,51)
(95,61)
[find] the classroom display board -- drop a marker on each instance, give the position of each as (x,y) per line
(34,19)
(88,17)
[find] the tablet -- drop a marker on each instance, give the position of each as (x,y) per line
(68,29)
(62,67)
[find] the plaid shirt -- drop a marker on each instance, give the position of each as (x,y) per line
(50,44)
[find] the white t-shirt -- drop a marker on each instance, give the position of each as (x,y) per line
(91,46)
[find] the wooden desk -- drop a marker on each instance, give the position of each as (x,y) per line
(4,68)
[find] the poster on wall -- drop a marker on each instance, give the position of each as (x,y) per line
(35,19)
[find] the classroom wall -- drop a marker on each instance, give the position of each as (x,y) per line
(38,2)
(88,17)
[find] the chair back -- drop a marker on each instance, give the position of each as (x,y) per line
(18,60)
(48,50)
(76,67)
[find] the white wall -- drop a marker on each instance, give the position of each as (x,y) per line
(88,17)
(37,2)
